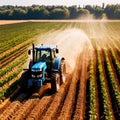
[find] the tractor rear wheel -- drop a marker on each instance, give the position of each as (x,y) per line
(62,71)
(55,83)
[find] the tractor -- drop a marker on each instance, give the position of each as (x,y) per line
(46,67)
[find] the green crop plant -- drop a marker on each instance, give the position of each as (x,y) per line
(7,91)
(107,114)
(115,62)
(92,99)
(14,74)
(14,64)
(13,51)
(113,84)
(14,34)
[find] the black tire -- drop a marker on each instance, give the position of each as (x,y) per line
(55,83)
(24,80)
(63,71)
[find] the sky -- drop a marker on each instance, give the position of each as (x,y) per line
(57,2)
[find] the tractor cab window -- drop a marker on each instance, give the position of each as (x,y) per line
(43,55)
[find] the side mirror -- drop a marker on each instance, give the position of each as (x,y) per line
(57,51)
(29,52)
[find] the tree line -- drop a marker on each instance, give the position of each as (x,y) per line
(59,12)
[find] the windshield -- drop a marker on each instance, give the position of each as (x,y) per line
(42,55)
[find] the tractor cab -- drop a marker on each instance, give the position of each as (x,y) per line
(42,63)
(47,54)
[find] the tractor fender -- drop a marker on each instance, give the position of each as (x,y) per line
(56,64)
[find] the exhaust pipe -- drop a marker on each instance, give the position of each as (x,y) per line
(33,53)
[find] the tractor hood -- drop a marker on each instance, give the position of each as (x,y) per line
(38,66)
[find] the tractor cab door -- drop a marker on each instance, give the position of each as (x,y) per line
(50,60)
(45,55)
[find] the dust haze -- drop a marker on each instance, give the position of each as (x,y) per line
(70,43)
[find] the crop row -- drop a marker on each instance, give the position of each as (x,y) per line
(12,78)
(115,46)
(113,85)
(91,93)
(14,64)
(15,50)
(9,89)
(20,32)
(106,112)
(14,74)
(6,89)
(116,63)
(9,59)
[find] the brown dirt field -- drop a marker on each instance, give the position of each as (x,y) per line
(3,22)
(69,102)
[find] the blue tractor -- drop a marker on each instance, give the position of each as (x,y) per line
(46,67)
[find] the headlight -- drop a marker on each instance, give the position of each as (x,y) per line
(40,69)
(39,76)
(33,76)
(36,74)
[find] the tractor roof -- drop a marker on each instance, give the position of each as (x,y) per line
(45,47)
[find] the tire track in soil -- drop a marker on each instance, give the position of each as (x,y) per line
(68,106)
(40,108)
(81,98)
(62,104)
(12,108)
(25,109)
(58,100)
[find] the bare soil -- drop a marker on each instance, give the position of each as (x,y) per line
(3,22)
